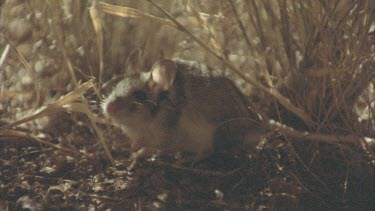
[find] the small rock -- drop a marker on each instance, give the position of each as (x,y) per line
(43,122)
(37,45)
(38,15)
(20,30)
(13,2)
(81,51)
(25,50)
(27,203)
(39,66)
(16,9)
(27,80)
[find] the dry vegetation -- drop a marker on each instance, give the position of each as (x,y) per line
(306,64)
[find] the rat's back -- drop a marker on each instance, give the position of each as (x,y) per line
(215,97)
(219,101)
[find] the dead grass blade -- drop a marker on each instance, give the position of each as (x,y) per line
(96,21)
(58,32)
(203,23)
(285,34)
(72,102)
(4,55)
(27,66)
(127,12)
(82,105)
(240,25)
(19,134)
(62,104)
(10,94)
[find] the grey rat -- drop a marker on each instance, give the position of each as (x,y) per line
(179,106)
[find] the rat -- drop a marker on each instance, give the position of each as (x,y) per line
(179,106)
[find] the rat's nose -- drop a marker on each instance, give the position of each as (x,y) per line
(113,107)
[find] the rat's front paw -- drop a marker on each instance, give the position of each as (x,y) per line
(142,153)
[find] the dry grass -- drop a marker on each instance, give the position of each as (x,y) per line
(306,64)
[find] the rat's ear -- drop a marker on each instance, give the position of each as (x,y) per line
(133,64)
(163,74)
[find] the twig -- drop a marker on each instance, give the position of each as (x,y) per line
(27,66)
(323,137)
(241,25)
(287,35)
(197,171)
(20,134)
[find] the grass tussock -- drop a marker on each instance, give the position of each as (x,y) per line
(305,64)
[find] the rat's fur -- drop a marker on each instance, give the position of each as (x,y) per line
(182,108)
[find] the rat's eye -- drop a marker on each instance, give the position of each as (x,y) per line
(139,96)
(133,108)
(163,96)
